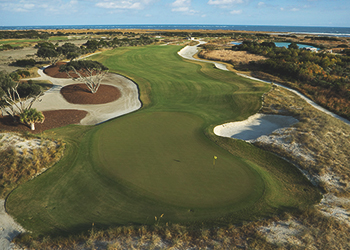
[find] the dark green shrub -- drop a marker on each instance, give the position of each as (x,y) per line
(25,63)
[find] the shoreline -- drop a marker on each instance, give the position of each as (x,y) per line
(317,30)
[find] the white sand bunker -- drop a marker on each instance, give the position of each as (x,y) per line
(254,127)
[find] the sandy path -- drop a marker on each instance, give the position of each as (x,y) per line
(8,228)
(189,51)
(97,113)
(303,97)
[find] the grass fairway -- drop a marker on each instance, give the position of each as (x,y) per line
(159,160)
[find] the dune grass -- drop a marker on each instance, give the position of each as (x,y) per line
(159,160)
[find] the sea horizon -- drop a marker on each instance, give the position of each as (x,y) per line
(315,30)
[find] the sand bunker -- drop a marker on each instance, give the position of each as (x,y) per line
(254,127)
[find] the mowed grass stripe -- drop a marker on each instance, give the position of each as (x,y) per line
(175,85)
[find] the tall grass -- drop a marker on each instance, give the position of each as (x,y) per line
(17,168)
(324,138)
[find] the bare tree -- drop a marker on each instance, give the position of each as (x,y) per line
(13,104)
(89,72)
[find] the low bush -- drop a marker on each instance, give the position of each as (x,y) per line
(25,63)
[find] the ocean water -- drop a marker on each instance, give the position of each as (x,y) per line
(322,31)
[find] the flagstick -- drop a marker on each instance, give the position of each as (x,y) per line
(215,157)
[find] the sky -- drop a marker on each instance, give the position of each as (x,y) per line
(334,13)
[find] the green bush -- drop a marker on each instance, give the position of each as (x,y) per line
(25,63)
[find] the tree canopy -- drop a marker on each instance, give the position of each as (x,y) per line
(83,65)
(322,76)
(89,72)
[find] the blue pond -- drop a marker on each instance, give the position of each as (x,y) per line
(283,44)
(301,46)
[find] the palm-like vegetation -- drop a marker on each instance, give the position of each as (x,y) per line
(31,116)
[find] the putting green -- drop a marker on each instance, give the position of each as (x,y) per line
(165,156)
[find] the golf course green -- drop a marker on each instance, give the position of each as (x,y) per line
(160,159)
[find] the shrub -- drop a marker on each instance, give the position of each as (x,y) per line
(25,63)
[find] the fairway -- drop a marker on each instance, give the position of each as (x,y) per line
(165,156)
(160,159)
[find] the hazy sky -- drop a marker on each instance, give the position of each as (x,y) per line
(233,12)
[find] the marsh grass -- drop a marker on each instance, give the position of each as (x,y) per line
(320,233)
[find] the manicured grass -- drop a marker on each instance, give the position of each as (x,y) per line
(167,156)
(159,160)
(168,84)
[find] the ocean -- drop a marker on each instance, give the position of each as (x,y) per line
(321,31)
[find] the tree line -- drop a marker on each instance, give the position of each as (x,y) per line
(54,52)
(324,77)
(21,34)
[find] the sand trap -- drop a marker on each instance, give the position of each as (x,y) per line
(254,127)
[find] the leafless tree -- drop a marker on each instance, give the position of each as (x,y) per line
(89,72)
(13,104)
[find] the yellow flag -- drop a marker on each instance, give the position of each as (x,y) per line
(215,157)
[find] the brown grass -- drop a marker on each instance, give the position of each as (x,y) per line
(17,168)
(325,138)
(233,57)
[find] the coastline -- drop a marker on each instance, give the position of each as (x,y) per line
(303,30)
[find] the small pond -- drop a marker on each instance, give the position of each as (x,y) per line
(283,44)
(301,46)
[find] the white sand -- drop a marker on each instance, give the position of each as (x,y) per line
(20,144)
(128,102)
(282,232)
(9,229)
(189,51)
(254,127)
